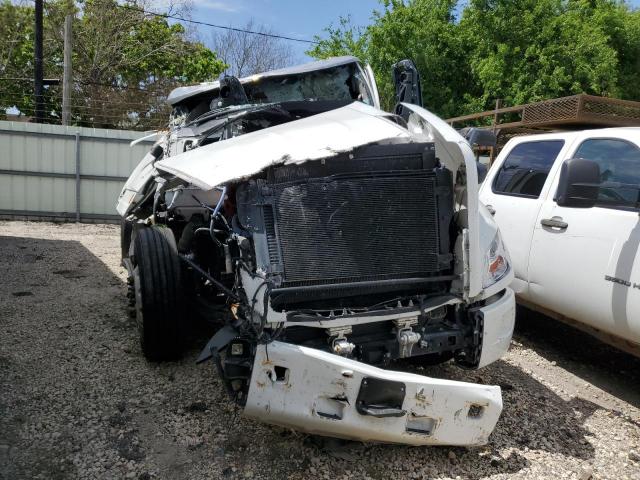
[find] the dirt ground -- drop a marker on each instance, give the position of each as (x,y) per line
(78,400)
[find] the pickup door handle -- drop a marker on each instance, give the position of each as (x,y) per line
(554,222)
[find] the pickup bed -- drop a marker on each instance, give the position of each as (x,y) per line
(575,256)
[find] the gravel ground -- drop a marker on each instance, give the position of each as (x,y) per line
(77,399)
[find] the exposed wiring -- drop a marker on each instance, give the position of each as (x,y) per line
(233,29)
(220,200)
(263,314)
(218,284)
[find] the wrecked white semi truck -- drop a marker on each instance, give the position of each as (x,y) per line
(336,238)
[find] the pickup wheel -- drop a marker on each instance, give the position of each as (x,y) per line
(156,282)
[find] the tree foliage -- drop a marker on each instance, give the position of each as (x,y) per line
(124,62)
(515,50)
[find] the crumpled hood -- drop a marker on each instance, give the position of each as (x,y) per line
(320,136)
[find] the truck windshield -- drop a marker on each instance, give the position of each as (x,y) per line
(344,82)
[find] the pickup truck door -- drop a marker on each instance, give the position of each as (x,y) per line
(584,262)
(513,191)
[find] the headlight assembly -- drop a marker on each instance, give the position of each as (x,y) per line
(496,262)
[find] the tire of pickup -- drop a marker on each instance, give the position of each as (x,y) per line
(159,310)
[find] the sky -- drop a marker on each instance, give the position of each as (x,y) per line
(292,18)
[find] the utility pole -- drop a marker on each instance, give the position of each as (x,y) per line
(38,74)
(495,115)
(66,79)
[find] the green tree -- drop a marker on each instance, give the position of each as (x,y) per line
(16,56)
(421,30)
(529,50)
(343,39)
(516,50)
(124,62)
(425,32)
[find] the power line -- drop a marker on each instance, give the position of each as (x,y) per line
(233,29)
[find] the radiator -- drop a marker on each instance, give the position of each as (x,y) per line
(355,228)
(373,221)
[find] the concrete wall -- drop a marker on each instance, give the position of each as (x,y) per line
(71,173)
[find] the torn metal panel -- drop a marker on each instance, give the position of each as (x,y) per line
(499,315)
(318,392)
(180,94)
(321,136)
(132,189)
(456,153)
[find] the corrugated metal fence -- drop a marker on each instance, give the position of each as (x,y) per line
(65,173)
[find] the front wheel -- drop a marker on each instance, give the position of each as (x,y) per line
(156,280)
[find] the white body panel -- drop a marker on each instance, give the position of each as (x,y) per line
(499,320)
(316,137)
(373,85)
(516,216)
(569,272)
(132,189)
(319,391)
(456,154)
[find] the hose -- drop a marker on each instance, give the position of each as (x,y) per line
(218,284)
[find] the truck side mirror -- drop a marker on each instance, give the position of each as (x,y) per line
(407,83)
(579,183)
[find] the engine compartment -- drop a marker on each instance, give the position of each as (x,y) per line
(352,254)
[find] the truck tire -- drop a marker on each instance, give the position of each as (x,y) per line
(126,229)
(156,277)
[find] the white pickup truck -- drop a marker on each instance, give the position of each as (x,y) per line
(567,206)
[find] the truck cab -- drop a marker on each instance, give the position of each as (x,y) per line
(574,260)
(326,239)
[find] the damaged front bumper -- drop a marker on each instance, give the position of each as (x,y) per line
(325,394)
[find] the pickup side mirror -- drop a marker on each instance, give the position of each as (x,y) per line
(579,183)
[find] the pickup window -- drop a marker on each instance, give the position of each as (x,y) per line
(619,162)
(526,167)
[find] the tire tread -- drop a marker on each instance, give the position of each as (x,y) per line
(158,267)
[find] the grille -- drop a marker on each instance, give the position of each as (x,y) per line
(357,227)
(270,229)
